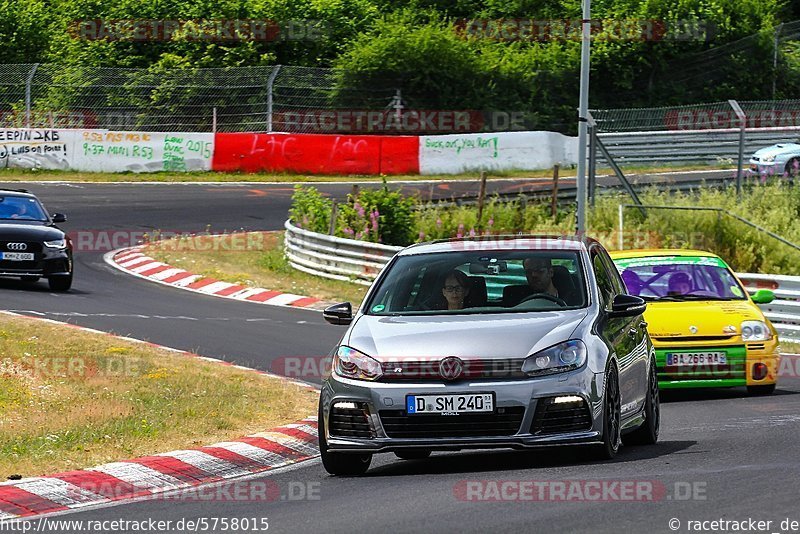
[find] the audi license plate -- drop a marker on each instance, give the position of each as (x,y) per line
(696,358)
(449,404)
(16,256)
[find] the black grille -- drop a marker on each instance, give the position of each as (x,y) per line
(504,422)
(508,368)
(552,418)
(349,423)
(32,246)
(22,266)
(756,346)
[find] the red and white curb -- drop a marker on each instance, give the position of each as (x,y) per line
(133,261)
(150,476)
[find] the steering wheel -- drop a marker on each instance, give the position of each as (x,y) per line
(546,296)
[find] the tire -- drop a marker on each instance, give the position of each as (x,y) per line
(609,447)
(29,278)
(340,464)
(761,390)
(60,283)
(647,434)
(413,454)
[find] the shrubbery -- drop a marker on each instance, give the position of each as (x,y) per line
(388,217)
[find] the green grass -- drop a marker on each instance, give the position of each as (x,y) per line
(71,399)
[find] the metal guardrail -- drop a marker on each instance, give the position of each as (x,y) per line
(335,257)
(692,146)
(360,262)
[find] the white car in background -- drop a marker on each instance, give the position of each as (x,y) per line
(781,159)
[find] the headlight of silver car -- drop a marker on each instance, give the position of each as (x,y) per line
(768,159)
(755,331)
(57,244)
(556,359)
(350,363)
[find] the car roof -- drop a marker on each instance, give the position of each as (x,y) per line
(490,243)
(643,253)
(16,193)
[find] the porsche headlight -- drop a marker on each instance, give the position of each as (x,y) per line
(350,363)
(57,244)
(556,359)
(755,331)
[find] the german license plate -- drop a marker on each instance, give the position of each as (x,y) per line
(450,404)
(16,256)
(696,358)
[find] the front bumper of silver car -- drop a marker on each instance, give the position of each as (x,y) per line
(363,416)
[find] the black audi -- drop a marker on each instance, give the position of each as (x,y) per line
(31,245)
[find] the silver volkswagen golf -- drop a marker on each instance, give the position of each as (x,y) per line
(490,343)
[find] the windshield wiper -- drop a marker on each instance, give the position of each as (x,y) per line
(703,297)
(670,298)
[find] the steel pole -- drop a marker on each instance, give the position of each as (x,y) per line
(583,110)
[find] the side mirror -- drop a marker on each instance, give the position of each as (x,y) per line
(339,314)
(627,306)
(763,296)
(59,218)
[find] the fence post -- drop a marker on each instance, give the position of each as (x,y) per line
(214,120)
(334,214)
(740,163)
(481,196)
(621,235)
(554,201)
(270,83)
(28,84)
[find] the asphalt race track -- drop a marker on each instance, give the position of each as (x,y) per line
(722,455)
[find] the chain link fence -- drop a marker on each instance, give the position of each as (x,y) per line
(241,99)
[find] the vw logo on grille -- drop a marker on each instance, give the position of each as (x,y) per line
(451,368)
(17,246)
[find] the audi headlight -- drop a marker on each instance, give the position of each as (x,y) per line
(57,244)
(349,363)
(755,331)
(556,359)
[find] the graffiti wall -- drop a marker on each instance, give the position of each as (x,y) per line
(316,153)
(452,154)
(105,151)
(96,150)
